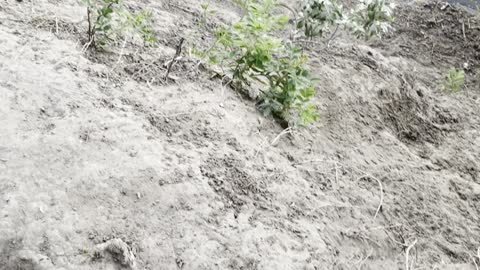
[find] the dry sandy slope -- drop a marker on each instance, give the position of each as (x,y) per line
(185,175)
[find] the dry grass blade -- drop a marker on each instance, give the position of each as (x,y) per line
(407,252)
(381,193)
(277,139)
(474,261)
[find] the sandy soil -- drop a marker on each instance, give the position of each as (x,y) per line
(105,166)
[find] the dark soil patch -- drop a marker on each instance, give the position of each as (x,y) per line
(415,117)
(438,34)
(230,179)
(60,27)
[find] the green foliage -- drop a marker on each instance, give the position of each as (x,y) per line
(367,19)
(206,11)
(455,80)
(108,20)
(253,54)
(371,18)
(142,23)
(317,16)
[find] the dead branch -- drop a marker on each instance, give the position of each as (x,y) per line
(91,30)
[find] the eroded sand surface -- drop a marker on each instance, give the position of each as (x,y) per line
(101,170)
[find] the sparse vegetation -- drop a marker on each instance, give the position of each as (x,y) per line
(317,16)
(252,53)
(108,20)
(369,17)
(455,80)
(142,23)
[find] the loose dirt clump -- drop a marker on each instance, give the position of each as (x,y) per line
(229,178)
(15,256)
(119,252)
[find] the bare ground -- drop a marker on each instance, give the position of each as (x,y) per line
(105,166)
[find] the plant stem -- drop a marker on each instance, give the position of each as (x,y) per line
(332,36)
(177,54)
(89,24)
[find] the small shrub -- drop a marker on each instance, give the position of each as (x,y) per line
(371,18)
(251,53)
(110,19)
(368,18)
(455,80)
(142,23)
(317,16)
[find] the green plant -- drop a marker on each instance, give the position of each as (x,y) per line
(253,55)
(206,11)
(455,80)
(367,19)
(371,18)
(142,24)
(317,16)
(110,19)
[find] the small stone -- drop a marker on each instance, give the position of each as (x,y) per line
(180,262)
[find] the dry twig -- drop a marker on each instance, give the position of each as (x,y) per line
(177,54)
(336,173)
